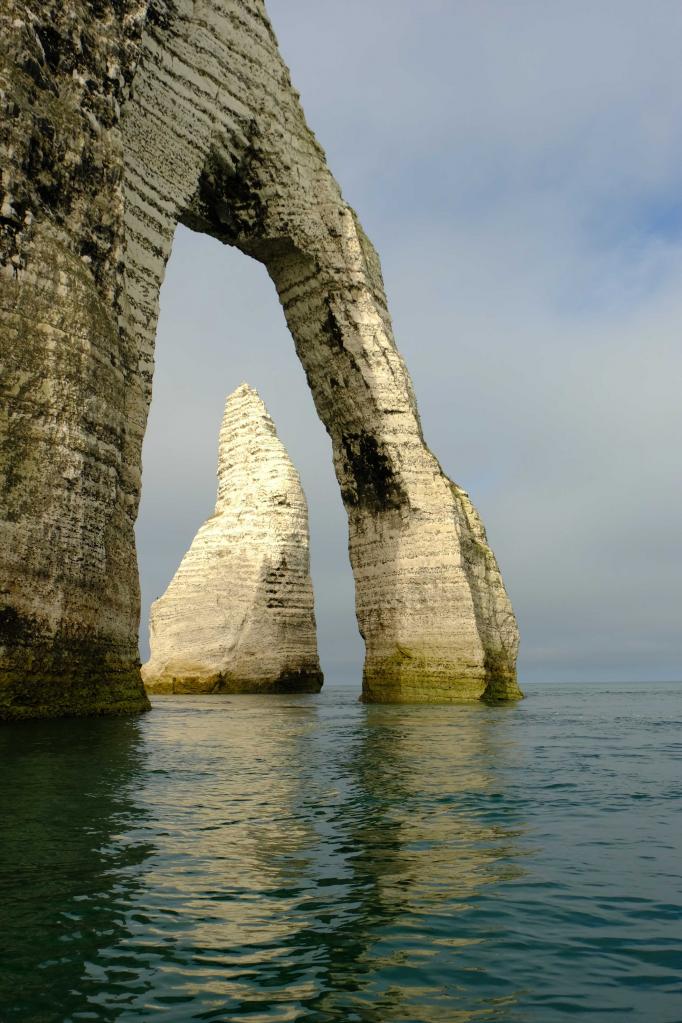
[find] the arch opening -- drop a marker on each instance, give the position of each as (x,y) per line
(221,324)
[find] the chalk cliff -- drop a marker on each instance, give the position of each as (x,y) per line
(238,615)
(117,122)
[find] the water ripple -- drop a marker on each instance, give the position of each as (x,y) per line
(309,858)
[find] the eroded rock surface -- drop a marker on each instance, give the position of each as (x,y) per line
(118,121)
(238,615)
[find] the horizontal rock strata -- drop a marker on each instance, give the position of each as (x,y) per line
(238,615)
(117,122)
(69,601)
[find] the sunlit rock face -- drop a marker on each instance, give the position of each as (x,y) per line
(117,122)
(71,402)
(238,615)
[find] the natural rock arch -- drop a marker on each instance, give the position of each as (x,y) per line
(123,119)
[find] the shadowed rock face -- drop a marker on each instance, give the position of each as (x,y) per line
(120,120)
(238,615)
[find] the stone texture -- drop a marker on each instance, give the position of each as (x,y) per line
(238,615)
(69,603)
(118,121)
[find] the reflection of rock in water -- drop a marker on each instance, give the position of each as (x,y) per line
(324,863)
(424,839)
(227,823)
(306,860)
(71,858)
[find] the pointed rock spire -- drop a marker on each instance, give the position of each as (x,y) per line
(238,615)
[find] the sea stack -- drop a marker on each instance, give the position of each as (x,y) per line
(238,615)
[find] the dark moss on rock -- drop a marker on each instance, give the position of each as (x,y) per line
(64,676)
(332,329)
(228,200)
(375,485)
(288,682)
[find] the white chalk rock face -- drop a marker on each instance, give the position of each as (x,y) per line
(117,122)
(238,616)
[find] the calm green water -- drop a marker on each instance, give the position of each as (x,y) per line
(310,858)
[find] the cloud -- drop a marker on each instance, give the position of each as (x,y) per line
(517,167)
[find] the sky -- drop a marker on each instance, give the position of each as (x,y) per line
(519,168)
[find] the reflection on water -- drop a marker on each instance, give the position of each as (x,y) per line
(420,847)
(71,857)
(311,858)
(306,857)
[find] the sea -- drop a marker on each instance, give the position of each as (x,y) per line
(276,858)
